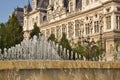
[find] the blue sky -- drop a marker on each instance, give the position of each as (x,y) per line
(7,7)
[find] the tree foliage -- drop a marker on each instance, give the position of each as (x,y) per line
(35,31)
(95,52)
(79,49)
(117,45)
(52,38)
(11,32)
(91,50)
(64,42)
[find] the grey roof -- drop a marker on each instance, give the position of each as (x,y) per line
(19,9)
(43,3)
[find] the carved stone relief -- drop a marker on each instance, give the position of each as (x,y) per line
(48,33)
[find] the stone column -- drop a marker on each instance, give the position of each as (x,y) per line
(61,31)
(113,21)
(74,29)
(61,3)
(67,30)
(74,5)
(83,4)
(45,33)
(84,30)
(104,24)
(55,32)
(50,2)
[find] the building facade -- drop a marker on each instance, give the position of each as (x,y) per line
(79,19)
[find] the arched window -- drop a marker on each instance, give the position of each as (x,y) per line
(44,18)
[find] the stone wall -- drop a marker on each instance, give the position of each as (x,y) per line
(59,70)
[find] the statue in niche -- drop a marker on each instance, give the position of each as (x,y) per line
(64,28)
(53,30)
(43,32)
(56,4)
(47,33)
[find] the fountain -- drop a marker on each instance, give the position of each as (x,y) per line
(40,59)
(35,49)
(39,48)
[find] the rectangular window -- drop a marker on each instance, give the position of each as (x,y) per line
(87,29)
(76,28)
(96,27)
(95,31)
(118,22)
(108,22)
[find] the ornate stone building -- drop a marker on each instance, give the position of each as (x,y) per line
(79,19)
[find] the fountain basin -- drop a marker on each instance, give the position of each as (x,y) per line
(59,70)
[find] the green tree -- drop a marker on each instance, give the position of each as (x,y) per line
(65,44)
(79,49)
(117,45)
(94,50)
(35,31)
(100,47)
(11,32)
(52,38)
(1,26)
(117,51)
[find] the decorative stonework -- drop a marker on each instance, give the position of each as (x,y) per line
(70,29)
(53,30)
(43,32)
(93,20)
(48,33)
(77,28)
(64,28)
(58,32)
